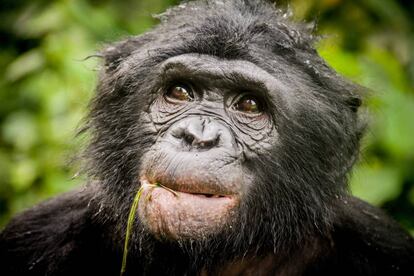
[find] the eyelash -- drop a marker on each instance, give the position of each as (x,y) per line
(183,88)
(250,96)
(189,88)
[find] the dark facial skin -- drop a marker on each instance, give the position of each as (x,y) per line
(208,123)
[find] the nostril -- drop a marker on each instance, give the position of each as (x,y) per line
(204,144)
(208,144)
(188,138)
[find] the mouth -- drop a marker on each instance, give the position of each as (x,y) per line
(188,185)
(184,210)
(208,195)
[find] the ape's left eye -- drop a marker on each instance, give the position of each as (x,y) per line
(180,92)
(248,104)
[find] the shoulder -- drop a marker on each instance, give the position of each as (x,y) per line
(365,241)
(41,238)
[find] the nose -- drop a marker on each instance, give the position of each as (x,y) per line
(202,134)
(199,133)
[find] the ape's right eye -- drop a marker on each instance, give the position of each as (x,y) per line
(180,92)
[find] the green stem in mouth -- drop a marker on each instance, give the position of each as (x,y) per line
(131,218)
(168,189)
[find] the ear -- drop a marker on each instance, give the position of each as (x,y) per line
(354,102)
(113,55)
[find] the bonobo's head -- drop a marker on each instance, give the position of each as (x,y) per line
(236,129)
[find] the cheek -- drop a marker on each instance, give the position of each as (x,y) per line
(259,134)
(261,149)
(163,112)
(184,216)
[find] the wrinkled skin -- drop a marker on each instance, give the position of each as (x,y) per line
(202,144)
(241,139)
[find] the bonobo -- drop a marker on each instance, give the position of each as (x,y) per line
(238,139)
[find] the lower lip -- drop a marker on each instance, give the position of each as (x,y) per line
(178,214)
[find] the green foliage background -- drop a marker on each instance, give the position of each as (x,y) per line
(46,82)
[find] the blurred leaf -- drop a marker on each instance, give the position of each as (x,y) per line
(376,183)
(411,196)
(389,10)
(345,63)
(19,129)
(33,23)
(24,65)
(23,174)
(5,167)
(396,126)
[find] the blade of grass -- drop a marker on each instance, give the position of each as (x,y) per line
(168,189)
(131,218)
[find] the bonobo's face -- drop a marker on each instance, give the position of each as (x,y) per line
(211,115)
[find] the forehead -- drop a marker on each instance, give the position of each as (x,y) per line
(214,69)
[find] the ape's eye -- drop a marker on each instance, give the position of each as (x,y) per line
(248,104)
(180,92)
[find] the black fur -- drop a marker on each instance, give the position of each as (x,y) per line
(298,218)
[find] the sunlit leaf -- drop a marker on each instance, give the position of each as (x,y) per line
(20,130)
(24,65)
(376,183)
